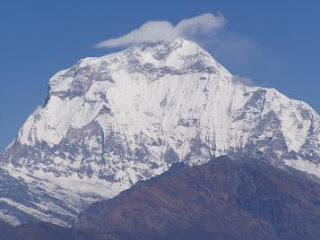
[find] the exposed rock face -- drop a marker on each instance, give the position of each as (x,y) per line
(111,121)
(222,199)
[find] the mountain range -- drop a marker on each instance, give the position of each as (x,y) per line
(111,121)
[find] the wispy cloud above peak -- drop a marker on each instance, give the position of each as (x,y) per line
(153,31)
(242,80)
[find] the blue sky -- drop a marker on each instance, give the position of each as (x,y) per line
(274,43)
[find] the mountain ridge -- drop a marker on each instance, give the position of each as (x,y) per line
(221,199)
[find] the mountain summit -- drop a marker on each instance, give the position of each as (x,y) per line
(113,120)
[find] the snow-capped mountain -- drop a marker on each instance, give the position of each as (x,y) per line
(113,120)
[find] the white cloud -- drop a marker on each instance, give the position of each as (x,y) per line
(153,31)
(242,80)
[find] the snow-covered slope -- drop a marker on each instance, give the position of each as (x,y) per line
(128,116)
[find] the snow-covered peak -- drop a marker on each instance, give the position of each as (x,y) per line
(129,115)
(178,54)
(170,81)
(175,57)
